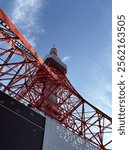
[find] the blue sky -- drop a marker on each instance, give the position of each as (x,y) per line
(81,31)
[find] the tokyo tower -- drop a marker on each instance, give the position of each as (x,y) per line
(43,85)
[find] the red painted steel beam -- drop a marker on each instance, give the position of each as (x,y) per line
(19,35)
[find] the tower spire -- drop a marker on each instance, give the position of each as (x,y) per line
(54,51)
(53,60)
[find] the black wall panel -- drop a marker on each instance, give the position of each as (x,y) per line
(20,127)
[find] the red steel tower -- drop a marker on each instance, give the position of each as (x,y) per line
(43,85)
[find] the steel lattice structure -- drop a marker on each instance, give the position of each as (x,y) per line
(25,77)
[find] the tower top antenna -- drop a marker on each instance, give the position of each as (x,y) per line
(54,51)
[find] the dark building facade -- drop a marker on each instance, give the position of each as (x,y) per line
(20,127)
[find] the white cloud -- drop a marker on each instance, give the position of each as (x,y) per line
(25,15)
(66,58)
